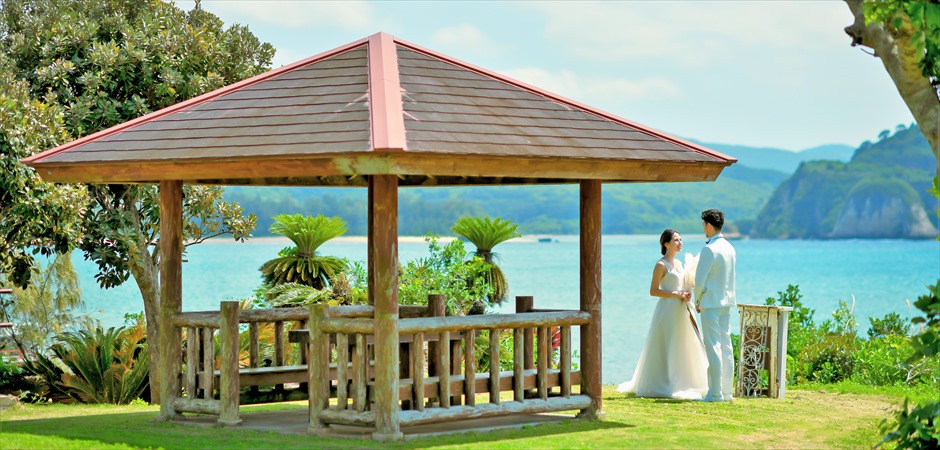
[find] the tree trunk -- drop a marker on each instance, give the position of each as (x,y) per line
(145,270)
(901,60)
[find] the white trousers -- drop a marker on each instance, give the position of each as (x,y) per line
(716,332)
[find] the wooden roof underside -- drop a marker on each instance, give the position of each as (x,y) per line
(378,106)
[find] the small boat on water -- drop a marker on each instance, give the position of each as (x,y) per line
(545,239)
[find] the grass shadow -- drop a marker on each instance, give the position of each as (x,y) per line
(542,430)
(141,430)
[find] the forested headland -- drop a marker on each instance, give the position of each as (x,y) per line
(770,192)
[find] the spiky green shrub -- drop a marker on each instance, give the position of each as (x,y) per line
(302,264)
(485,234)
(96,366)
(295,294)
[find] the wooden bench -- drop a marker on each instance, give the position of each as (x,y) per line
(274,375)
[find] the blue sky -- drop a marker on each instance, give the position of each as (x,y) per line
(763,73)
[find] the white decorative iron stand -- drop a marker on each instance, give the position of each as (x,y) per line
(762,356)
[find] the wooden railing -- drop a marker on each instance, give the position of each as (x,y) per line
(202,376)
(211,386)
(432,390)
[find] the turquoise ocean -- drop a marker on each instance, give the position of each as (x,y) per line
(880,275)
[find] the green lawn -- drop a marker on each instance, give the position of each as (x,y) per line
(840,416)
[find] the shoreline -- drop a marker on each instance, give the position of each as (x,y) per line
(554,237)
(365,239)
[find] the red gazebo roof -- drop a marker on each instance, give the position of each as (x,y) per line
(378,106)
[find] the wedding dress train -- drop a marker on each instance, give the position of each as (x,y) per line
(673,362)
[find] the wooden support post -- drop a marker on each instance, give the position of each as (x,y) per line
(591,296)
(208,363)
(542,375)
(229,388)
(417,372)
(456,359)
(565,361)
(254,352)
(494,366)
(444,370)
(524,304)
(342,377)
(359,378)
(517,360)
(469,368)
(383,247)
(171,296)
(279,348)
(302,325)
(436,308)
(192,361)
(318,380)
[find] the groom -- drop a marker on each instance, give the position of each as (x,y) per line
(714,297)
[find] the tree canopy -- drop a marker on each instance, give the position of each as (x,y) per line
(905,35)
(99,63)
(38,217)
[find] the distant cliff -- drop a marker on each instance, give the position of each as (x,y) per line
(880,193)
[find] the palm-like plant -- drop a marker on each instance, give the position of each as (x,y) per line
(100,366)
(486,233)
(295,294)
(302,264)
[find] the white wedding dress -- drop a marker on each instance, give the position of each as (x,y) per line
(673,362)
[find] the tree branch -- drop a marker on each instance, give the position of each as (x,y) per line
(902,61)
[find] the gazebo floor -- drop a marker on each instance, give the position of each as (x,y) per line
(294,421)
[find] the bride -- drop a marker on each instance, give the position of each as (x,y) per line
(673,362)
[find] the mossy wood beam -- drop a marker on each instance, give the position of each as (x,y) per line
(590,206)
(171,295)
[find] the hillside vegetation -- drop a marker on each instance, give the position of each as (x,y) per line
(779,159)
(880,193)
(553,209)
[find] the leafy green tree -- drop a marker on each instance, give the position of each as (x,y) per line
(38,217)
(302,263)
(46,307)
(485,234)
(444,271)
(109,61)
(890,325)
(905,35)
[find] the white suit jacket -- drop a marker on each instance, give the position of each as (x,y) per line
(714,275)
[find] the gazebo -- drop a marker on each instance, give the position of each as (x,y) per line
(381,113)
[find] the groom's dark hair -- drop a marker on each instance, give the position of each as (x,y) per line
(714,217)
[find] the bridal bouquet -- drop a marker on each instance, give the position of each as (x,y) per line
(690,263)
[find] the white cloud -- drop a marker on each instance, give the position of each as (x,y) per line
(596,89)
(693,33)
(467,41)
(349,14)
(464,34)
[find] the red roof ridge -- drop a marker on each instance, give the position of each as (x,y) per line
(385,105)
(564,100)
(195,101)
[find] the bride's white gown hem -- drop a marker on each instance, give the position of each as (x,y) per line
(672,363)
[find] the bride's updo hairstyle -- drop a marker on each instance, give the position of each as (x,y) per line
(664,238)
